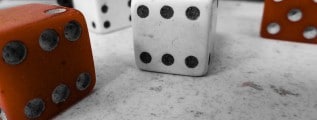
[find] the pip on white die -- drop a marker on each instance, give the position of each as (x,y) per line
(174,36)
(104,16)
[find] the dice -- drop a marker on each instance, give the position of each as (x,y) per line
(66,3)
(104,16)
(290,20)
(47,62)
(174,37)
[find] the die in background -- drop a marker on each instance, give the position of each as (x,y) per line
(173,36)
(105,16)
(290,20)
(66,3)
(47,62)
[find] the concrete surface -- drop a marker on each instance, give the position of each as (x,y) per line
(251,78)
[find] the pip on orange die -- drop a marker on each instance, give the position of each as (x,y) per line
(47,63)
(290,20)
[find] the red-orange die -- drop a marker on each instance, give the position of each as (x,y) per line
(47,63)
(290,20)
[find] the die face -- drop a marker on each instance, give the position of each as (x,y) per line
(104,16)
(290,20)
(49,73)
(172,36)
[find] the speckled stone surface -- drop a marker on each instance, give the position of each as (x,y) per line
(251,78)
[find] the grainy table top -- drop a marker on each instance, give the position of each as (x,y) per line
(251,78)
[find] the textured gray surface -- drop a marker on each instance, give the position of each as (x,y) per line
(251,78)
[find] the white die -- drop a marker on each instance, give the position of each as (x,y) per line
(174,36)
(103,16)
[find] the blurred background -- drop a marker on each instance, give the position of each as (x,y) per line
(10,3)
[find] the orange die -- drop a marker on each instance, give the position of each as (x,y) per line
(47,62)
(290,20)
